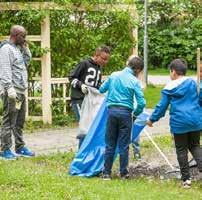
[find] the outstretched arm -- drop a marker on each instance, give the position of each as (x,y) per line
(160,109)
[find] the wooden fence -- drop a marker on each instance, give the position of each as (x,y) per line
(44,38)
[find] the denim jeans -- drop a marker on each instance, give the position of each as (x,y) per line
(12,122)
(136,145)
(118,132)
(184,142)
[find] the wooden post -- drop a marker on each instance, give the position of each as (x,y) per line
(199,70)
(64,97)
(135,39)
(134,16)
(46,71)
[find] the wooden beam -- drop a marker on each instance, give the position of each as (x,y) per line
(34,118)
(33,38)
(46,71)
(34,98)
(37,58)
(54,6)
(59,80)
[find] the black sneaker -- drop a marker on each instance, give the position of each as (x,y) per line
(125,176)
(106,177)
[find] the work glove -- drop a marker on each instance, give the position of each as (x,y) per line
(84,88)
(12,93)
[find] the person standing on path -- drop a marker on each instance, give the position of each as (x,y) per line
(14,58)
(185,116)
(122,86)
(87,73)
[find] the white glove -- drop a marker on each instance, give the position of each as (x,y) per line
(84,88)
(12,93)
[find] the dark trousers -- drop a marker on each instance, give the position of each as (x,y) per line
(76,106)
(188,142)
(13,121)
(118,133)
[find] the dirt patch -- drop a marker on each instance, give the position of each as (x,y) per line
(155,168)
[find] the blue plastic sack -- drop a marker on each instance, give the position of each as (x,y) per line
(89,160)
(139,125)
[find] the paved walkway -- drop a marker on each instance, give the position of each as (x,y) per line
(52,141)
(65,139)
(161,80)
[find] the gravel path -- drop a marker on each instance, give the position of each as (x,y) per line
(65,139)
(161,80)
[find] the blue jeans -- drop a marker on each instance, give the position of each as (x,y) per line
(136,145)
(118,132)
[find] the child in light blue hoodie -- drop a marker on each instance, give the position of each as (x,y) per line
(185,116)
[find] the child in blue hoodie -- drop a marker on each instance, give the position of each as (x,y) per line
(185,116)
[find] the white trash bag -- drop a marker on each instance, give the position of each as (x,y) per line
(89,108)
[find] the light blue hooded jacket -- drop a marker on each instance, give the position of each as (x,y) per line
(123,89)
(185,111)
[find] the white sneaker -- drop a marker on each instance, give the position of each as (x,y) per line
(187,184)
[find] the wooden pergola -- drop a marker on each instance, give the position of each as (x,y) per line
(44,38)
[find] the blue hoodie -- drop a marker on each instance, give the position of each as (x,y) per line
(185,111)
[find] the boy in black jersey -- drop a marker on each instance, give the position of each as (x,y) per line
(86,73)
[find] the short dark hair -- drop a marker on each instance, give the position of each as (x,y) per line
(135,62)
(16,29)
(179,65)
(103,48)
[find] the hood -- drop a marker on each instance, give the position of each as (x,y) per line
(180,87)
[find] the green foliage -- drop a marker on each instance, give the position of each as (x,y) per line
(174,30)
(74,36)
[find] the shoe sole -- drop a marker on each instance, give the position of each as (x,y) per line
(25,156)
(106,179)
(187,186)
(6,159)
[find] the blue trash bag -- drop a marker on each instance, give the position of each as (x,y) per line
(139,125)
(89,160)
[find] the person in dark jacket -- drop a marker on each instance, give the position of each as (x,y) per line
(185,116)
(87,73)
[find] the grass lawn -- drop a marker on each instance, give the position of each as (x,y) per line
(46,178)
(164,71)
(152,95)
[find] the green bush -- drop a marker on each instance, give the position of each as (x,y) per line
(174,30)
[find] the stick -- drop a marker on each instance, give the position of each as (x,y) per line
(159,150)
